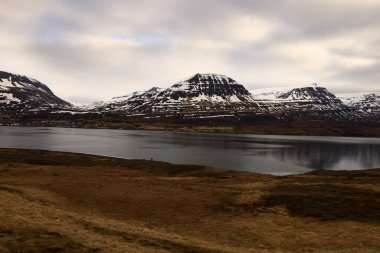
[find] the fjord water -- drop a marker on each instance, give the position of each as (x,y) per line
(279,155)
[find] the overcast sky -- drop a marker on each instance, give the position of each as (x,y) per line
(89,50)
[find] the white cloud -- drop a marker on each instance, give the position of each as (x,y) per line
(208,45)
(355,62)
(99,49)
(307,54)
(248,29)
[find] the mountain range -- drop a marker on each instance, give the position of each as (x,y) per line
(218,96)
(203,96)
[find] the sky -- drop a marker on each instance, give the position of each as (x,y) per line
(93,50)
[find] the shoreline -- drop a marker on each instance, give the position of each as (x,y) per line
(204,131)
(266,126)
(221,170)
(67,202)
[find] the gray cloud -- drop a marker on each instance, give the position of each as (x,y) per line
(94,50)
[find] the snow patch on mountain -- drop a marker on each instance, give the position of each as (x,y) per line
(366,102)
(137,94)
(130,102)
(5,84)
(126,97)
(350,98)
(8,98)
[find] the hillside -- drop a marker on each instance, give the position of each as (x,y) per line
(23,94)
(145,206)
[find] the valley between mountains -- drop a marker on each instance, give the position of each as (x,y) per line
(202,103)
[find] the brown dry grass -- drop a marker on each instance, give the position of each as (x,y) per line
(62,202)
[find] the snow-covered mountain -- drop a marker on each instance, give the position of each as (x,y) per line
(137,101)
(302,101)
(199,95)
(204,95)
(206,88)
(213,95)
(294,93)
(365,102)
(21,94)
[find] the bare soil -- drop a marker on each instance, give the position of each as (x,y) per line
(64,202)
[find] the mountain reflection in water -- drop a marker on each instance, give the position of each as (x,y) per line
(257,153)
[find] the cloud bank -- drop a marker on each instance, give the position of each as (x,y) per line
(94,50)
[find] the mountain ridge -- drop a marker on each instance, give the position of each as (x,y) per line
(210,95)
(366,102)
(202,96)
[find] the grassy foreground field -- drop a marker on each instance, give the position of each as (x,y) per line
(63,202)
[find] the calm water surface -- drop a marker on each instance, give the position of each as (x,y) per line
(279,155)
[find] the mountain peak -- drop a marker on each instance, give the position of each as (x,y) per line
(22,93)
(213,88)
(210,78)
